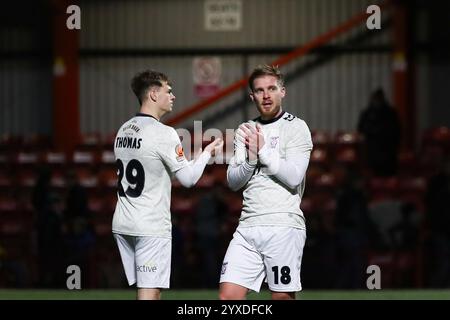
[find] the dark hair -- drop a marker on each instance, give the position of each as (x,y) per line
(265,70)
(144,80)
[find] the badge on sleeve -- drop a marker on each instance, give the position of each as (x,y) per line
(179,152)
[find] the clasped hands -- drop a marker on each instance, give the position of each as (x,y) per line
(253,138)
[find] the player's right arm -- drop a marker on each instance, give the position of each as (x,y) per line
(240,170)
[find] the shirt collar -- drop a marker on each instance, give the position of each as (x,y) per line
(140,114)
(270,120)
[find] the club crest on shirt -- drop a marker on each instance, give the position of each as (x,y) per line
(273,141)
(179,152)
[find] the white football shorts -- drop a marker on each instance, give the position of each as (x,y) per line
(146,260)
(273,253)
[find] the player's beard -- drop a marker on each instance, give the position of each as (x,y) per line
(269,113)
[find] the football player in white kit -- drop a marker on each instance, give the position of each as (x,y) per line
(148,153)
(270,161)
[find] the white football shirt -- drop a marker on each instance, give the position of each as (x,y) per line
(147,153)
(267,201)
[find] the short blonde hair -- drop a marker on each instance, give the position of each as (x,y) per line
(265,70)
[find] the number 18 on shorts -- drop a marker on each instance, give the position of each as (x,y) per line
(273,253)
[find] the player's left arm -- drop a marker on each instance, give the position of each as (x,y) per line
(190,174)
(290,171)
(171,153)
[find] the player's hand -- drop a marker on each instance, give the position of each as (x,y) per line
(254,140)
(260,135)
(215,147)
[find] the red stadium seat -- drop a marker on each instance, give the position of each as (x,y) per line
(234,201)
(307,206)
(5,159)
(219,173)
(102,208)
(84,165)
(319,163)
(412,189)
(348,138)
(6,180)
(108,177)
(26,166)
(328,206)
(319,157)
(326,183)
(10,143)
(108,141)
(36,142)
(26,161)
(54,158)
(109,202)
(58,178)
(107,158)
(26,178)
(407,163)
(83,157)
(347,156)
(431,160)
(102,227)
(182,205)
(438,136)
(27,158)
(96,204)
(176,185)
(90,141)
(434,149)
(8,204)
(87,178)
(15,226)
(57,162)
(416,184)
(348,148)
(383,188)
(206,181)
(13,220)
(321,139)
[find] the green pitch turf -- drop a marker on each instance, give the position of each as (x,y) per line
(25,294)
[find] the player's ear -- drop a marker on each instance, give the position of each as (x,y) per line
(283,91)
(152,94)
(252,96)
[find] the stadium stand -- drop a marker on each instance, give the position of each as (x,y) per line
(93,164)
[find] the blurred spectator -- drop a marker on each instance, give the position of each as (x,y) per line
(405,233)
(380,126)
(354,231)
(438,223)
(405,240)
(209,224)
(49,232)
(177,263)
(319,266)
(80,237)
(12,272)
